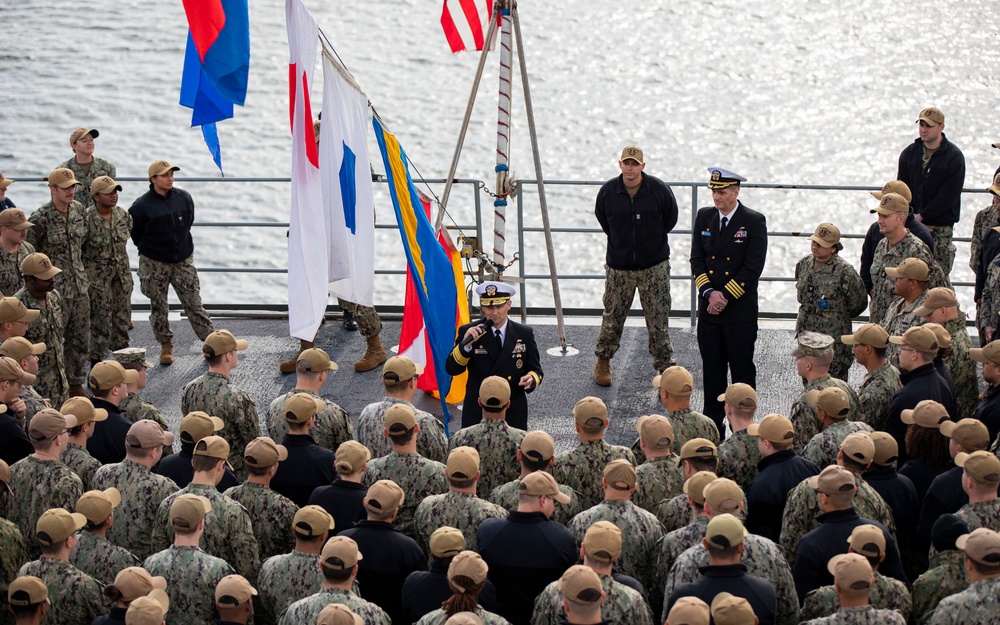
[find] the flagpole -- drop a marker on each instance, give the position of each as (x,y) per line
(503,180)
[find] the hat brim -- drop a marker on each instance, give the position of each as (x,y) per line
(106,190)
(719,184)
(883,211)
(100,414)
(493,301)
(561,497)
(897,340)
(24,225)
(923,311)
(6,182)
(928,121)
(656,381)
(753,429)
(823,243)
(878,195)
(907,417)
(131,376)
(163,171)
(242,344)
(848,339)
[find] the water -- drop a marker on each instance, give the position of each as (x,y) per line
(816,92)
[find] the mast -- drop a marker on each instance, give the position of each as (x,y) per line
(503,185)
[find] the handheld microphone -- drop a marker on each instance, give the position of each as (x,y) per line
(486,323)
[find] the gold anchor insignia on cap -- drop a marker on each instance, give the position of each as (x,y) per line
(823,232)
(491,290)
(716,174)
(44,263)
(632,151)
(885,200)
(18,214)
(927,112)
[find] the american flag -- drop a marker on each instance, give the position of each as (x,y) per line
(469,30)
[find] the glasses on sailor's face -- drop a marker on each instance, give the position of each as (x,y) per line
(907,349)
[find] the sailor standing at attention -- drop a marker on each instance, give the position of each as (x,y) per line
(496,346)
(728,248)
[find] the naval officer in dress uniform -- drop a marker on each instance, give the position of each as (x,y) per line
(728,248)
(496,346)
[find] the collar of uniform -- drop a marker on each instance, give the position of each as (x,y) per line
(376,525)
(100,403)
(527,517)
(405,454)
(437,567)
(340,592)
(302,390)
(680,414)
(340,482)
(642,185)
(723,570)
(952,557)
(877,473)
(203,488)
(839,516)
(775,458)
(391,401)
(624,503)
(954,325)
(214,374)
(72,445)
(661,459)
(298,440)
(221,622)
(919,372)
(117,615)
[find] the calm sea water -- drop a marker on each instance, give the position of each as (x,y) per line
(815,92)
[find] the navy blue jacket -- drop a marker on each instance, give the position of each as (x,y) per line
(637,227)
(307,467)
(343,501)
(108,442)
(178,468)
(731,578)
(425,591)
(919,384)
(900,494)
(988,411)
(776,475)
(937,190)
(14,441)
(161,226)
(389,557)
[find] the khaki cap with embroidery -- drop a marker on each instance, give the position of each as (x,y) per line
(301,407)
(538,446)
(19,348)
(146,434)
(911,269)
(656,431)
(894,186)
(981,545)
(981,466)
(197,425)
(603,542)
(233,591)
(83,409)
(931,115)
(110,373)
(57,524)
(400,369)
(942,336)
(675,380)
(892,204)
(351,457)
(212,447)
(740,395)
(12,309)
(936,298)
(187,511)
(725,531)
(464,618)
(919,338)
(728,609)
(774,428)
(689,611)
(48,424)
(11,371)
(338,614)
(104,185)
(467,564)
(222,342)
(158,168)
(886,449)
(851,571)
(494,392)
(97,505)
(699,448)
(590,412)
(620,474)
(133,582)
(812,344)
(27,590)
(463,463)
(311,521)
(148,610)
(581,585)
(400,418)
(14,218)
(632,153)
(826,235)
(990,353)
(314,360)
(447,541)
(927,414)
(62,178)
(833,480)
(859,447)
(831,400)
(723,495)
(39,266)
(540,483)
(694,486)
(262,452)
(80,133)
(869,334)
(971,434)
(383,497)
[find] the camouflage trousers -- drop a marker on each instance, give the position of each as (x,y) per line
(367,319)
(155,278)
(620,286)
(944,249)
(76,337)
(110,313)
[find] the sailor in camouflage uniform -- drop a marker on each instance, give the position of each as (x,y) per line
(333,425)
(191,574)
(830,293)
(399,376)
(536,453)
(26,354)
(41,481)
(946,575)
(76,456)
(495,440)
(581,468)
(910,286)
(980,602)
(58,232)
(271,513)
(980,479)
(674,387)
(813,354)
(93,553)
(881,382)
(286,578)
(898,245)
(602,546)
(13,248)
(215,394)
(75,597)
(941,307)
(134,407)
(141,490)
(12,557)
(419,477)
(338,563)
(677,541)
(85,166)
(986,220)
(698,454)
(854,582)
(105,257)
(459,507)
(739,454)
(228,530)
(659,477)
(833,407)
(640,529)
(45,325)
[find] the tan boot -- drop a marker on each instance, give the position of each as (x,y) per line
(602,372)
(78,391)
(373,357)
(167,354)
(288,366)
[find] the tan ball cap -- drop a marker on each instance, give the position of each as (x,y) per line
(188,510)
(990,353)
(467,564)
(894,186)
(892,204)
(910,268)
(148,610)
(931,115)
(11,371)
(233,591)
(936,298)
(104,185)
(339,614)
(39,266)
(12,309)
(83,409)
(80,133)
(603,542)
(725,531)
(447,541)
(581,585)
(301,407)
(926,414)
(58,524)
(146,434)
(134,582)
(400,369)
(62,178)
(981,466)
(110,373)
(831,400)
(740,395)
(197,425)
(538,446)
(14,218)
(694,486)
(158,168)
(315,360)
(222,342)
(728,609)
(850,571)
(351,457)
(97,505)
(859,447)
(699,448)
(942,336)
(340,553)
(494,392)
(400,418)
(463,463)
(311,521)
(919,338)
(48,424)
(262,452)
(620,474)
(675,380)
(867,540)
(632,153)
(656,431)
(591,412)
(981,545)
(540,483)
(774,428)
(19,348)
(826,235)
(689,611)
(383,497)
(886,449)
(27,590)
(833,480)
(971,434)
(212,447)
(723,495)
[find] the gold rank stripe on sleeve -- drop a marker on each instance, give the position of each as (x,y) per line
(459,357)
(700,280)
(735,289)
(538,379)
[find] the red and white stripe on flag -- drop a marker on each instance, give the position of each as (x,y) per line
(464,23)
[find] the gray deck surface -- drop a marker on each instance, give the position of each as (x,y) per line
(567,379)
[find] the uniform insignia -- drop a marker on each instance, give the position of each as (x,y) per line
(706,233)
(481,350)
(741,233)
(491,291)
(519,363)
(716,174)
(519,347)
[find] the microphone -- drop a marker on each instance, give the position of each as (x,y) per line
(486,323)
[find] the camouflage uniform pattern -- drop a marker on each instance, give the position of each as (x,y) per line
(33,402)
(105,258)
(366,317)
(882,285)
(506,497)
(837,283)
(861,615)
(228,532)
(417,476)
(641,534)
(283,580)
(332,427)
(802,508)
(962,368)
(61,237)
(82,463)
(272,515)
(671,547)
(886,594)
(823,448)
(39,485)
(620,285)
(582,468)
(51,381)
(979,604)
(688,424)
(738,458)
(674,513)
(621,605)
(97,557)
(98,167)
(944,249)
(461,510)
(11,280)
(307,610)
(946,577)
(216,395)
(192,576)
(142,492)
(982,514)
(986,219)
(876,393)
(155,278)
(75,597)
(497,444)
(135,408)
(431,441)
(803,416)
(989,305)
(762,558)
(438,617)
(12,557)
(657,479)
(900,317)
